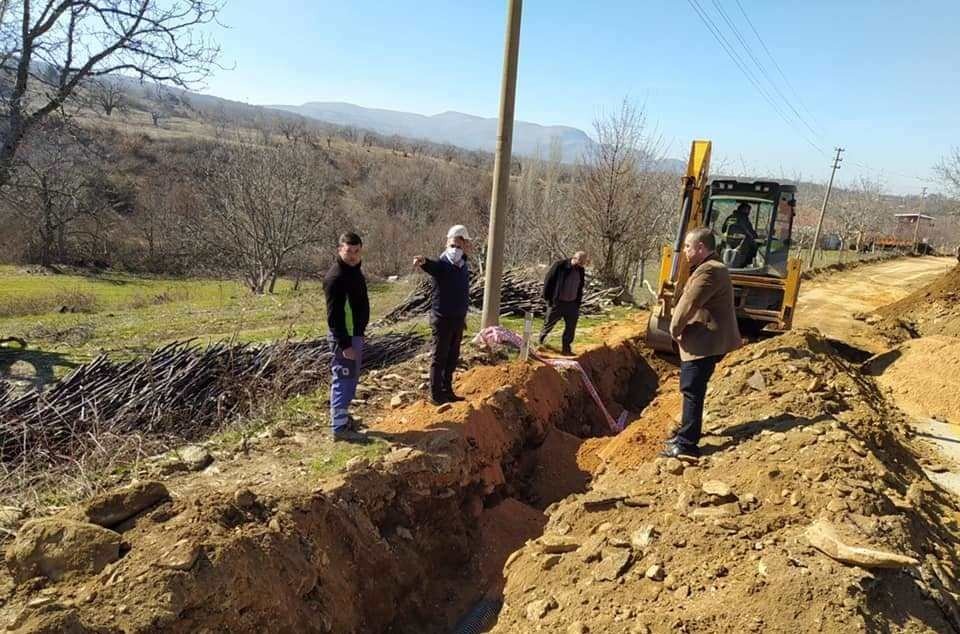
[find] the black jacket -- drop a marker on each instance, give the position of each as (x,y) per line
(450,298)
(555,277)
(347,303)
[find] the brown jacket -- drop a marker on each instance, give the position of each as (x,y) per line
(704,322)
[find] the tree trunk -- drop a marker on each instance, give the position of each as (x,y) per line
(61,243)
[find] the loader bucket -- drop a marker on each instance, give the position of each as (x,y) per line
(658,333)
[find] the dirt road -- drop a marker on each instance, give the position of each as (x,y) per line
(829,304)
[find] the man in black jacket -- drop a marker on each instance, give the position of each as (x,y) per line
(563,292)
(348,312)
(448,312)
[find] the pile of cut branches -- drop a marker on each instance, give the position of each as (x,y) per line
(519,293)
(179,391)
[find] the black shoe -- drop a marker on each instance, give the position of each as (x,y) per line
(674,450)
(350,436)
(354,424)
(567,352)
(439,400)
(454,398)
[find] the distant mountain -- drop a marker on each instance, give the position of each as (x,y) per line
(456,128)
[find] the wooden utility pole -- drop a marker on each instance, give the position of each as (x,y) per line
(916,229)
(823,209)
(501,169)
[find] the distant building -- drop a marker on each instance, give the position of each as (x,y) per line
(906,233)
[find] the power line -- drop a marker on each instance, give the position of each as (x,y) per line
(731,53)
(762,68)
(776,65)
(893,172)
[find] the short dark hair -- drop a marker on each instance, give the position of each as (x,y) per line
(350,238)
(704,235)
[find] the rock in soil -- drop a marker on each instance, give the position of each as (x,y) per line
(115,507)
(55,547)
(823,536)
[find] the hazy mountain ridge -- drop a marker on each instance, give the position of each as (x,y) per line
(456,128)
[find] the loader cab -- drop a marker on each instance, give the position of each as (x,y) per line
(753,223)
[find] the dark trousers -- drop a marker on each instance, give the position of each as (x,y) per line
(570,313)
(694,376)
(447,333)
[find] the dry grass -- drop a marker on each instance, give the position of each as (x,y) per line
(63,301)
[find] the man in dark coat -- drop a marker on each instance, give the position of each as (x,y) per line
(348,312)
(563,292)
(450,300)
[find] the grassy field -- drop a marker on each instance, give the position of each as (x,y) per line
(69,319)
(125,316)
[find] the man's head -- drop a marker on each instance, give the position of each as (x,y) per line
(743,209)
(580,259)
(349,248)
(698,245)
(459,237)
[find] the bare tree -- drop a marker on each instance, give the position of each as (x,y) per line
(107,94)
(48,192)
(948,169)
(292,128)
(542,210)
(618,189)
(263,206)
(50,48)
(857,212)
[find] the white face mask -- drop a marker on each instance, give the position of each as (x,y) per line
(455,255)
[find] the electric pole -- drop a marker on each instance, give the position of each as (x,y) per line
(823,209)
(501,169)
(916,229)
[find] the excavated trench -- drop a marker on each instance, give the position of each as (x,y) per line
(409,543)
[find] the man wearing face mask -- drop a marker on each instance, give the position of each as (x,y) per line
(348,311)
(450,300)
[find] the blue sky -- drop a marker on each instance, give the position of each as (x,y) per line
(881,78)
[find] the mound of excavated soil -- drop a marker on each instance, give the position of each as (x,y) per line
(931,310)
(923,376)
(405,543)
(807,513)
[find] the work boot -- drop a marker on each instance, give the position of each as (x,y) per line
(674,450)
(568,352)
(440,400)
(454,398)
(350,436)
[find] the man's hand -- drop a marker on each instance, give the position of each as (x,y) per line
(348,353)
(418,260)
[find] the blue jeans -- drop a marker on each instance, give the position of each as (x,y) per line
(694,376)
(343,386)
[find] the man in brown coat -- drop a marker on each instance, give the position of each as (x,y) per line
(704,325)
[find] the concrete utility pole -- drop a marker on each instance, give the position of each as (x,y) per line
(916,230)
(823,209)
(501,169)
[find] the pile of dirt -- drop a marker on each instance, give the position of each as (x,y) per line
(403,543)
(808,512)
(933,309)
(923,376)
